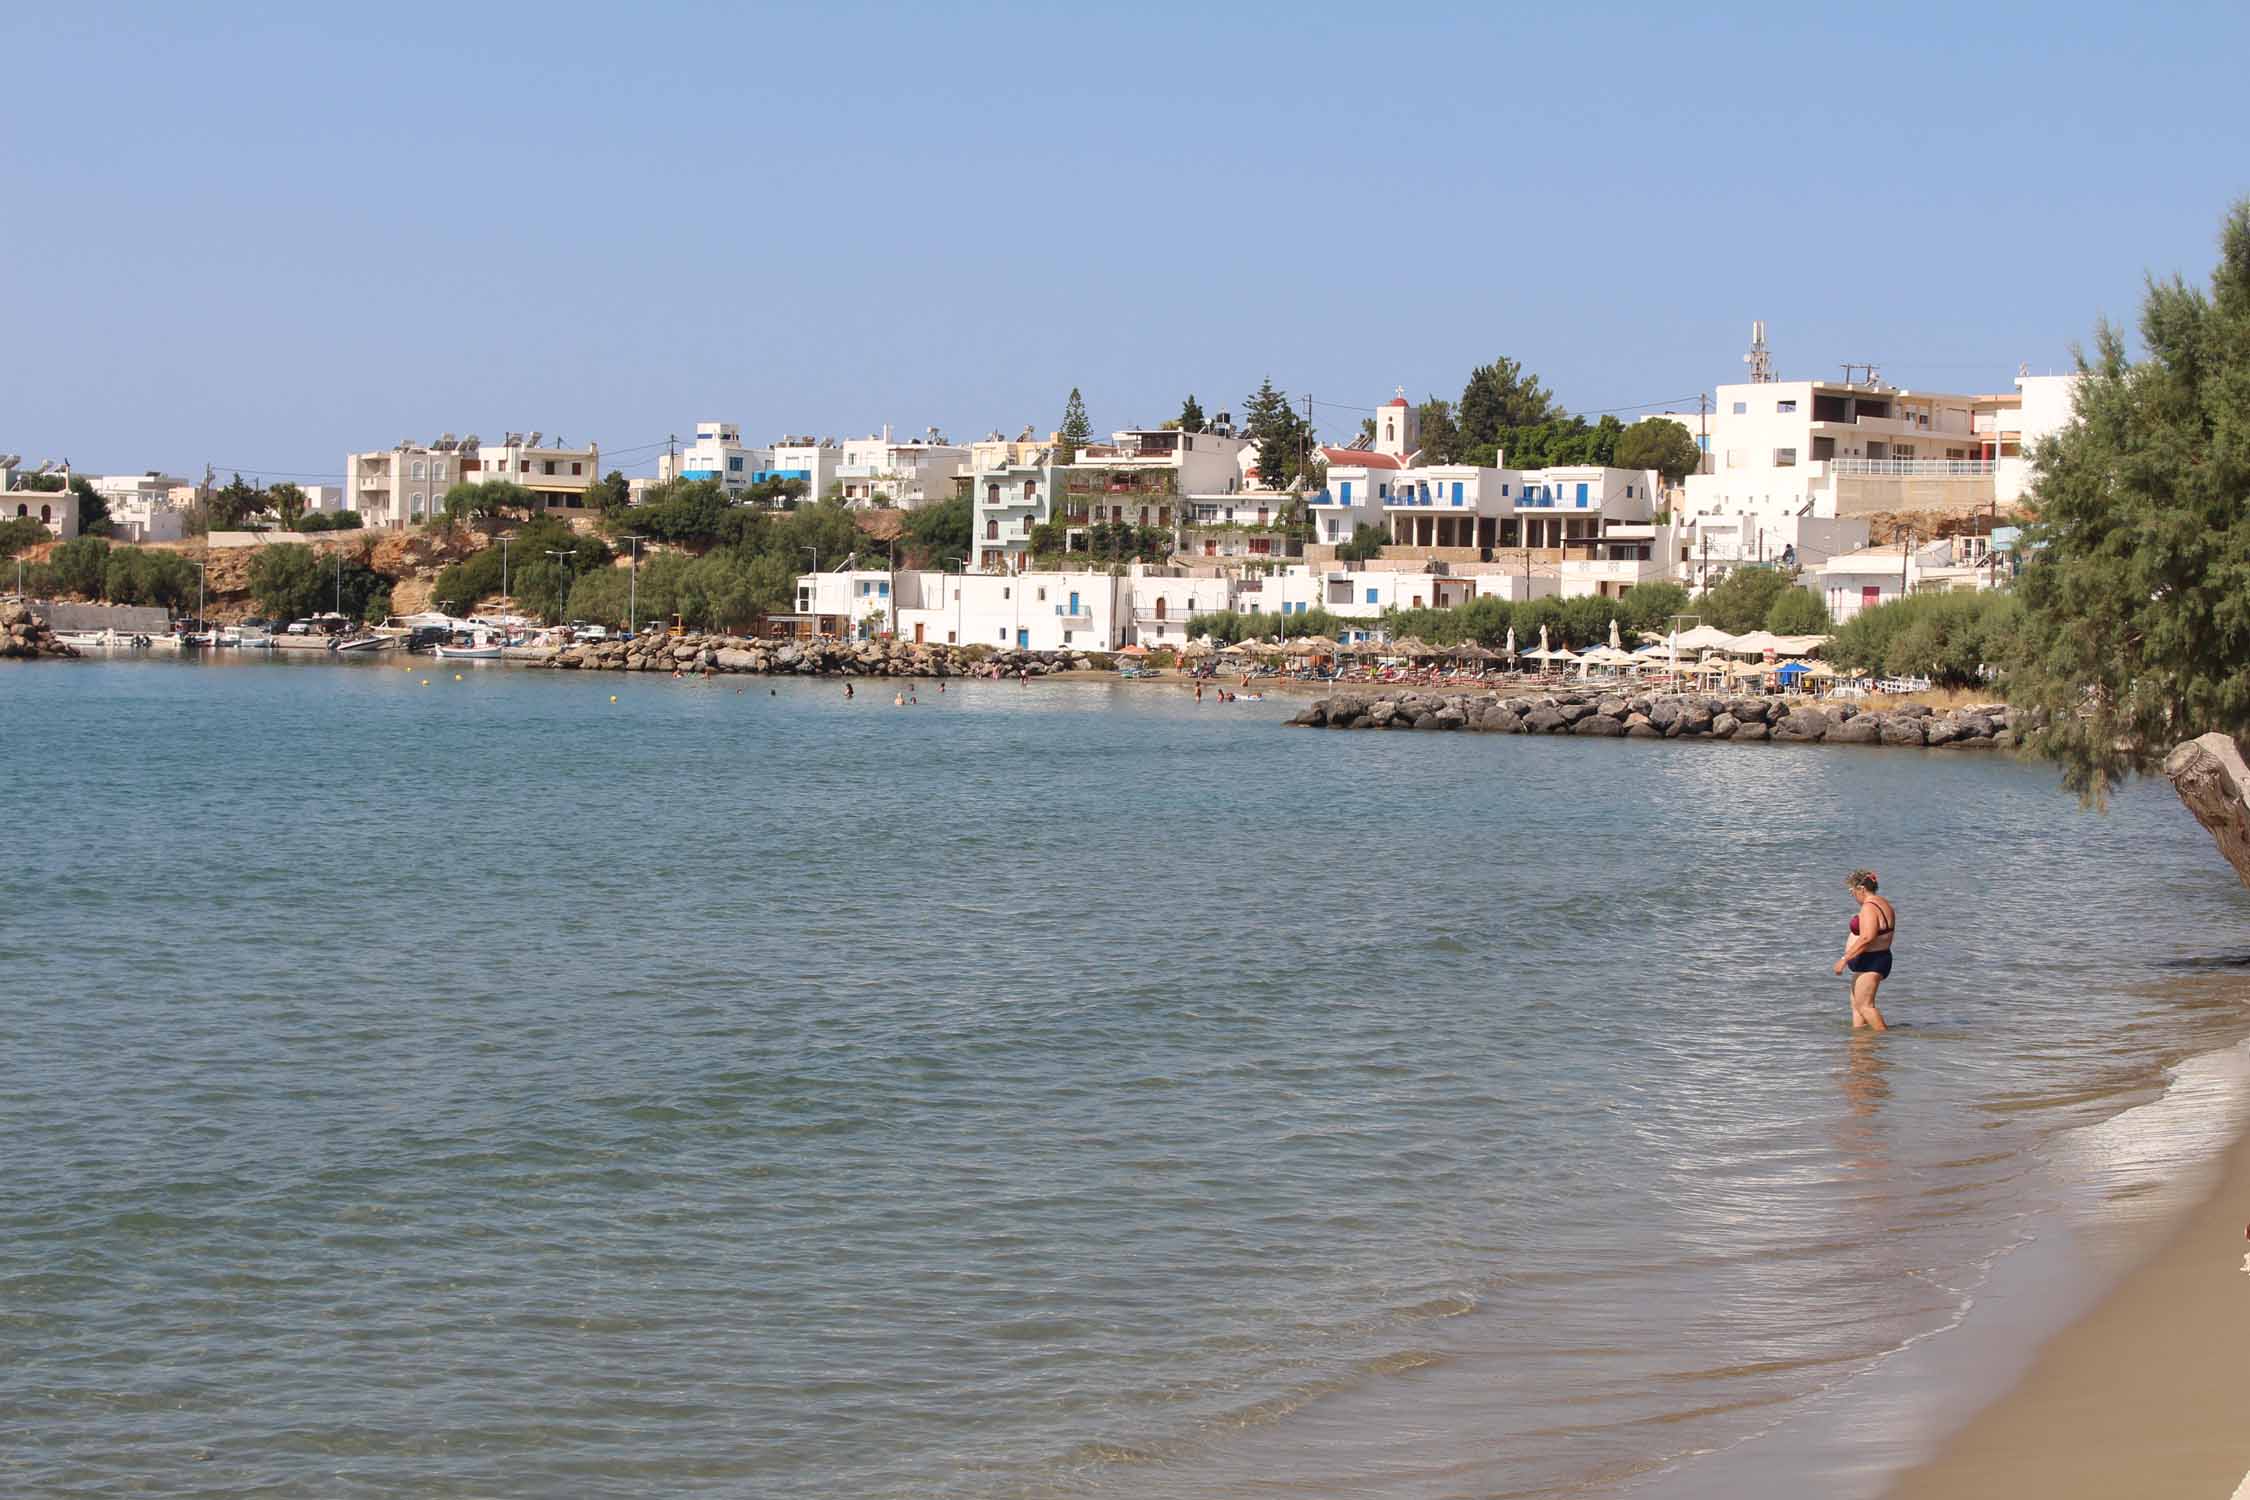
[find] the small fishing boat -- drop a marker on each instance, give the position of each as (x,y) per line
(362,643)
(471,645)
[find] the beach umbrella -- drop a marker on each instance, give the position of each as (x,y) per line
(1234,650)
(1755,643)
(1136,649)
(1196,648)
(1614,643)
(1542,637)
(1511,640)
(1302,646)
(1705,638)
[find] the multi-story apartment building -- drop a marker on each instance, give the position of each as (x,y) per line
(801,458)
(402,485)
(405,485)
(907,473)
(142,507)
(1856,447)
(559,478)
(1462,513)
(717,453)
(1157,477)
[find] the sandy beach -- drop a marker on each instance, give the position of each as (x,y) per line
(2148,1394)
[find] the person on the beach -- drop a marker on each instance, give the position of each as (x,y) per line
(1868,954)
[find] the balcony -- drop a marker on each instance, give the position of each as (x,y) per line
(1911,468)
(1083,620)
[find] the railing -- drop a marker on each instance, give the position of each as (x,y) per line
(1911,468)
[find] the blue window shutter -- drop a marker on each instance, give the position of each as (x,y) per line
(1581,494)
(1346,487)
(1371,596)
(1456,492)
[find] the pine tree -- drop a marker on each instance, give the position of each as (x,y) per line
(1284,439)
(1077,432)
(1191,415)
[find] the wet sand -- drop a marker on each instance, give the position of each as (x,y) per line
(2147,1394)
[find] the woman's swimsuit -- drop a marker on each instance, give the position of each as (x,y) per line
(1875,963)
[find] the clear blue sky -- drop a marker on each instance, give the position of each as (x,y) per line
(267,235)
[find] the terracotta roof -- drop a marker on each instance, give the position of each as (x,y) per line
(1359,458)
(1396,401)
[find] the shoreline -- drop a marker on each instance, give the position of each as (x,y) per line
(2140,1393)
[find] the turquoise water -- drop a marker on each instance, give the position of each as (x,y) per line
(482,1088)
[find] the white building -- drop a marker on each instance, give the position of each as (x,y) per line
(57,509)
(907,473)
(402,485)
(405,485)
(717,453)
(142,507)
(1154,477)
(1848,448)
(559,478)
(802,458)
(1864,579)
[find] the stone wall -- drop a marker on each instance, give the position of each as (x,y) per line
(1671,716)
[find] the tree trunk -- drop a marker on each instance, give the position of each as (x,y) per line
(2209,774)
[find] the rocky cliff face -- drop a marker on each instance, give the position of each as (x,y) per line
(24,636)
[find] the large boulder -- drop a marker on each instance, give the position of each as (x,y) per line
(1861,729)
(1753,732)
(1801,726)
(1500,719)
(1600,726)
(1937,731)
(1724,725)
(1448,718)
(1696,717)
(1573,712)
(1381,712)
(1544,721)
(1615,708)
(1901,729)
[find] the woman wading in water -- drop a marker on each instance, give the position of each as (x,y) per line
(1868,954)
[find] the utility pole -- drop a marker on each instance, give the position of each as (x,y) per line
(504,570)
(1905,552)
(633,585)
(674,450)
(562,573)
(1702,430)
(339,583)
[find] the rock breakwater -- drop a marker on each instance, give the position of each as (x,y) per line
(24,636)
(814,658)
(1988,726)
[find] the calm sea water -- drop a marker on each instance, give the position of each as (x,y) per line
(482,1088)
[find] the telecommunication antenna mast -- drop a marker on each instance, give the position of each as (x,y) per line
(1759,359)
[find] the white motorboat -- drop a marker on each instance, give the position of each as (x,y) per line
(83,639)
(490,651)
(365,643)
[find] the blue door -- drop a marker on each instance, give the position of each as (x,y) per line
(1023,640)
(1074,601)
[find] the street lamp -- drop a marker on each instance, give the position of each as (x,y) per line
(561,555)
(198,593)
(633,584)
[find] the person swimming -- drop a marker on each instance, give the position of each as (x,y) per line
(1868,952)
